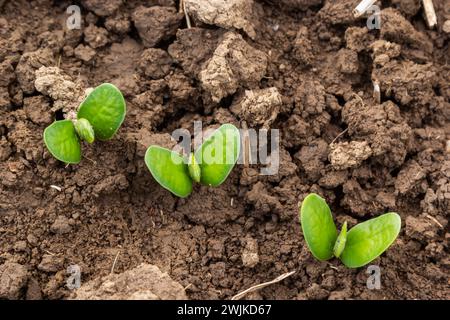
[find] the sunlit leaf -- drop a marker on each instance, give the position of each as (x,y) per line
(62,141)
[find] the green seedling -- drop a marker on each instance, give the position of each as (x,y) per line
(210,164)
(360,245)
(99,116)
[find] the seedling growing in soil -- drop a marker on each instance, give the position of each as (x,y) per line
(210,164)
(357,247)
(100,115)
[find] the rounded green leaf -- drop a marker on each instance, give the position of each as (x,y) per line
(368,240)
(62,141)
(218,155)
(169,169)
(318,226)
(105,110)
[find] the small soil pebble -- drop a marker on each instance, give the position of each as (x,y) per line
(250,256)
(96,37)
(84,53)
(61,225)
(260,107)
(146,282)
(346,155)
(13,277)
(316,292)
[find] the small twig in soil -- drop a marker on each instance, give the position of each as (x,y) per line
(338,136)
(262,285)
(188,286)
(93,161)
(362,7)
(55,187)
(186,15)
(430,14)
(376,92)
(333,267)
(163,219)
(115,261)
(59,61)
(435,220)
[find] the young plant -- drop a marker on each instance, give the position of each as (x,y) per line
(357,247)
(210,165)
(99,117)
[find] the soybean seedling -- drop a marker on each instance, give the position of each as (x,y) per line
(99,117)
(360,245)
(210,164)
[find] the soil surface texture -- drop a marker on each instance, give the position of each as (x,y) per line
(305,67)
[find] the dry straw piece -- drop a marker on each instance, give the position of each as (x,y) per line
(430,14)
(362,7)
(262,285)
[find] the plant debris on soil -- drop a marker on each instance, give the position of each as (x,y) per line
(305,67)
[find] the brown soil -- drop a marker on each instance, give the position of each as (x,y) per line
(309,62)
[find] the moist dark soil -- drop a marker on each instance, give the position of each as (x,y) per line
(304,67)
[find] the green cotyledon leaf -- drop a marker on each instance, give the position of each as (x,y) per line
(318,226)
(62,141)
(169,170)
(105,110)
(368,240)
(218,155)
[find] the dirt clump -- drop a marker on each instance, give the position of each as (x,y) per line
(260,107)
(102,8)
(66,94)
(28,64)
(13,278)
(233,14)
(312,55)
(303,49)
(233,63)
(156,23)
(383,127)
(145,282)
(346,155)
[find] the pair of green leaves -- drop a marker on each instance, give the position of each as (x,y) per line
(210,165)
(360,245)
(100,116)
